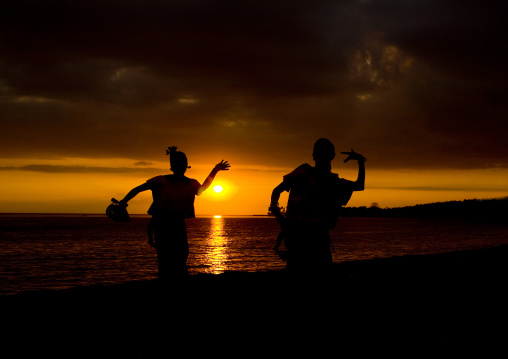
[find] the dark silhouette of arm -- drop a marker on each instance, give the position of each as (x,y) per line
(274,201)
(276,194)
(134,192)
(221,166)
(359,185)
(360,181)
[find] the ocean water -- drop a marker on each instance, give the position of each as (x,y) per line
(62,251)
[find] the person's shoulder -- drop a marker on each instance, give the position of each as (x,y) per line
(305,168)
(192,184)
(156,179)
(191,181)
(344,182)
(298,174)
(298,171)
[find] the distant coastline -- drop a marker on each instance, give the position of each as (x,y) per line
(481,209)
(495,210)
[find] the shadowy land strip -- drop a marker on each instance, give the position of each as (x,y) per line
(451,301)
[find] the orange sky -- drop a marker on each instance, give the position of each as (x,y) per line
(247,190)
(91,94)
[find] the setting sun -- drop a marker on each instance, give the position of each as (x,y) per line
(218,188)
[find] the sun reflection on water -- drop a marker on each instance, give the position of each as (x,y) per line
(216,254)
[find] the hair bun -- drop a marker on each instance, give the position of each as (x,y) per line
(170,150)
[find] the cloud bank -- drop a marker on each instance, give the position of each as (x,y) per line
(410,84)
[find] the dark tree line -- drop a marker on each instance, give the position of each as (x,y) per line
(495,210)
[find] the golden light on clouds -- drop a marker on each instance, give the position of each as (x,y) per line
(379,63)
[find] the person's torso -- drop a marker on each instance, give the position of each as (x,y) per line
(173,195)
(315,196)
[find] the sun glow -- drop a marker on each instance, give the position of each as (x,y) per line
(218,188)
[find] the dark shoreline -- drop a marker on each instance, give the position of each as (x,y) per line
(452,300)
(429,270)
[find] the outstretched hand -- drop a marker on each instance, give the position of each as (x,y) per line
(222,166)
(354,156)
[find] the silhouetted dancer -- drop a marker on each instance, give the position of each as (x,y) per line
(315,198)
(173,202)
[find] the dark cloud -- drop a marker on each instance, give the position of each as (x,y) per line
(79,169)
(143,163)
(411,84)
(463,37)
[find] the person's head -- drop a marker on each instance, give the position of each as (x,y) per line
(324,151)
(177,160)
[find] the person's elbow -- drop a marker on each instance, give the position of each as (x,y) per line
(278,190)
(275,193)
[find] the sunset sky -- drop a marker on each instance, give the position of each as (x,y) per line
(92,93)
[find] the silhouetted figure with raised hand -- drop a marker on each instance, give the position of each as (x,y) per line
(173,202)
(315,198)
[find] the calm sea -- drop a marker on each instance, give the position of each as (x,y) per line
(62,251)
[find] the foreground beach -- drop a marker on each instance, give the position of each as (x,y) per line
(454,301)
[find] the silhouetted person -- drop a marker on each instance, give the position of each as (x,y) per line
(315,198)
(173,202)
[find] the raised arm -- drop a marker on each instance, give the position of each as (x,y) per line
(134,192)
(221,166)
(360,181)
